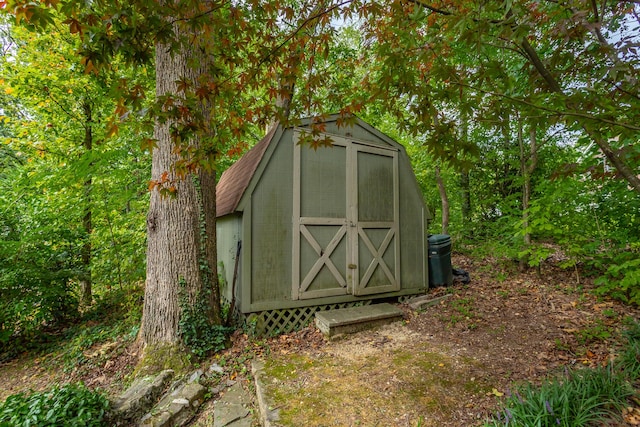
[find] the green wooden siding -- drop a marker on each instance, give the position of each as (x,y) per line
(323,182)
(271,211)
(413,226)
(375,187)
(229,231)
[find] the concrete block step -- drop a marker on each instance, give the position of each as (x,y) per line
(424,301)
(354,319)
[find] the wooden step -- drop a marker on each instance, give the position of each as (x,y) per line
(354,319)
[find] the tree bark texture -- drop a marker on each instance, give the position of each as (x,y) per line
(466,196)
(208,205)
(86,294)
(528,165)
(181,240)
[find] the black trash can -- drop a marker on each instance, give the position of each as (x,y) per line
(440,271)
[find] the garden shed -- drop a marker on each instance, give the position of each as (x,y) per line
(302,229)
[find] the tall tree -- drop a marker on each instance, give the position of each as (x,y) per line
(181,226)
(85,282)
(444,201)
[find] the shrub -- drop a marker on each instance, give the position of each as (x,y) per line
(621,278)
(36,288)
(69,405)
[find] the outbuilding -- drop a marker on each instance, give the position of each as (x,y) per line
(302,229)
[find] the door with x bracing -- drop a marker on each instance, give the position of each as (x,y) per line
(374,220)
(345,225)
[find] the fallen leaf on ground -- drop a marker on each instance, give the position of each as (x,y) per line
(495,392)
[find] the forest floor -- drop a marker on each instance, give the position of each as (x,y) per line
(450,364)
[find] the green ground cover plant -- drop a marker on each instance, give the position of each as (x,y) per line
(69,405)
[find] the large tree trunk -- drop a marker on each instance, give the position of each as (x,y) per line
(181,241)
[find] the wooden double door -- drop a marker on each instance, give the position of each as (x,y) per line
(345,220)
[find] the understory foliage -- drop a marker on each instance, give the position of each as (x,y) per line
(596,223)
(39,258)
(73,195)
(115,317)
(35,284)
(578,397)
(69,405)
(114,320)
(629,360)
(580,215)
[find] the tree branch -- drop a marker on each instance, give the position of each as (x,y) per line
(431,8)
(64,110)
(567,112)
(290,36)
(199,15)
(626,92)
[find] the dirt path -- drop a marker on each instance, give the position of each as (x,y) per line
(450,364)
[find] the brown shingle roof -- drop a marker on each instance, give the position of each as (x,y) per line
(234,181)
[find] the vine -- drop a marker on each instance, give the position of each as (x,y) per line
(198,332)
(202,260)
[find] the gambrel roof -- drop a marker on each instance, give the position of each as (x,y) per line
(234,181)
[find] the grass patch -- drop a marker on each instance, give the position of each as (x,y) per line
(462,310)
(629,360)
(503,294)
(391,384)
(597,331)
(580,398)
